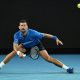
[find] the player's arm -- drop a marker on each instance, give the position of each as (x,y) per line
(19,50)
(40,35)
(16,46)
(53,37)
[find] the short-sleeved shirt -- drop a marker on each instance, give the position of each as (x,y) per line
(31,39)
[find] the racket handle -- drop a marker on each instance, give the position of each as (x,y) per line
(24,55)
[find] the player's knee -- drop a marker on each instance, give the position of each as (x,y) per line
(47,58)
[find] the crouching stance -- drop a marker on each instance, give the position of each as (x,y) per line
(26,39)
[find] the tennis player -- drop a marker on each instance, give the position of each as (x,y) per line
(26,39)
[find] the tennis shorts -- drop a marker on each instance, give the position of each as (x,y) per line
(39,45)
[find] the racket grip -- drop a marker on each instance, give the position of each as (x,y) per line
(24,55)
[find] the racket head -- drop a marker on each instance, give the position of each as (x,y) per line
(34,53)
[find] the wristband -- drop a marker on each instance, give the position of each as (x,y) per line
(54,37)
(18,52)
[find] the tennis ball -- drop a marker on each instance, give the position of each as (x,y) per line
(78,5)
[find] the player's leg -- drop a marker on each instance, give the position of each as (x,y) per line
(10,56)
(7,58)
(45,55)
(48,58)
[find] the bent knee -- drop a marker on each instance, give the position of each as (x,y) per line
(47,58)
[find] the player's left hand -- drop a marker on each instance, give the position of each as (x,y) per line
(59,42)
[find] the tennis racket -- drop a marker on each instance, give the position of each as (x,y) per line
(34,53)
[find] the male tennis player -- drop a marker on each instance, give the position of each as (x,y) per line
(25,39)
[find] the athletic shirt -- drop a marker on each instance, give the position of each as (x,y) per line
(31,39)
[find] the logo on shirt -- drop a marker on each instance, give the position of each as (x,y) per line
(27,42)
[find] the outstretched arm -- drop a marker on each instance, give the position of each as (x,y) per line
(53,37)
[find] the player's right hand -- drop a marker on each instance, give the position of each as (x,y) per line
(21,55)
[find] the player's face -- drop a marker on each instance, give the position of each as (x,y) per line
(23,27)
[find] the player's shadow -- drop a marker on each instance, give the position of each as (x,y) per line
(41,73)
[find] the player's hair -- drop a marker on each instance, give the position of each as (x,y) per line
(22,21)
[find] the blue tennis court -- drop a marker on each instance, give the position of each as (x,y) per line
(28,69)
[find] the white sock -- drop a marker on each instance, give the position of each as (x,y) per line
(2,64)
(65,67)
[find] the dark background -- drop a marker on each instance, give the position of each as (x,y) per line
(57,17)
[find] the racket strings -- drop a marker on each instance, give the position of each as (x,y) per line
(34,53)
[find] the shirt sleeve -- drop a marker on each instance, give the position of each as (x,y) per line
(15,39)
(39,35)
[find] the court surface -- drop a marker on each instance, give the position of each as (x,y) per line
(28,69)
